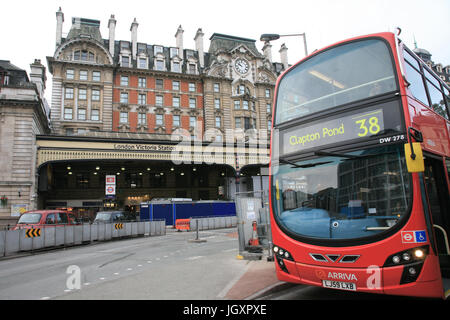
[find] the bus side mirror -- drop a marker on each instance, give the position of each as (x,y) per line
(414,157)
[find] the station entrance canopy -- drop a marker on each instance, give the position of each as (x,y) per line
(71,148)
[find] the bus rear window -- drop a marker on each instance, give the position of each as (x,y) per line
(337,76)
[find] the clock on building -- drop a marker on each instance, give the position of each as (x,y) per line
(241,66)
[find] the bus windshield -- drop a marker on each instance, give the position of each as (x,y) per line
(337,76)
(345,195)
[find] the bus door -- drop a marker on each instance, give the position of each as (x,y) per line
(436,183)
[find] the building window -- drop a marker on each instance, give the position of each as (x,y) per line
(123,117)
(268,108)
(176,102)
(95,95)
(159,120)
(245,105)
(218,122)
(159,84)
(267,93)
(142,82)
(96,75)
(159,101)
(237,122)
(192,122)
(142,63)
(217,103)
(124,97)
(142,99)
(176,121)
(84,56)
(83,75)
(237,104)
(82,94)
(192,68)
(192,102)
(69,132)
(81,114)
(269,125)
(70,74)
(69,93)
(241,89)
(124,81)
(157,49)
(173,52)
(68,114)
(176,85)
(248,123)
(216,87)
(159,65)
(142,118)
(125,61)
(191,87)
(95,115)
(176,67)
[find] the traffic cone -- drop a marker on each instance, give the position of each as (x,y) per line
(254,240)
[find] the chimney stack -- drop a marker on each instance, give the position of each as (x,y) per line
(59,25)
(284,56)
(199,46)
(133,30)
(38,76)
(179,37)
(112,33)
(267,50)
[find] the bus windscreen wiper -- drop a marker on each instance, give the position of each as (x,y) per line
(309,165)
(344,155)
(335,154)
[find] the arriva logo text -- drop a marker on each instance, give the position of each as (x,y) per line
(341,276)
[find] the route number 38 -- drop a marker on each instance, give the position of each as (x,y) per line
(369,125)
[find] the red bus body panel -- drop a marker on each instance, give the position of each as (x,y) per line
(306,270)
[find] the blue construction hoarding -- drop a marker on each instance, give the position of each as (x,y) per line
(170,211)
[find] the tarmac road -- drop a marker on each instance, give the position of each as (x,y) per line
(164,268)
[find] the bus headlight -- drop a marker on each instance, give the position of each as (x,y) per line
(281,255)
(412,261)
(406,257)
(418,253)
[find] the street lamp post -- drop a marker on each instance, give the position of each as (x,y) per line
(274,36)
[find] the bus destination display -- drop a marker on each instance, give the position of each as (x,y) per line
(363,124)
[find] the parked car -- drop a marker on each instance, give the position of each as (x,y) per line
(45,218)
(110,217)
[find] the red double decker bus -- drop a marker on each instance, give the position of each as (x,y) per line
(360,160)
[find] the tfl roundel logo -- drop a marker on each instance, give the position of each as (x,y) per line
(414,236)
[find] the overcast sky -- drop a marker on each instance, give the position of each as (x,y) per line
(27,27)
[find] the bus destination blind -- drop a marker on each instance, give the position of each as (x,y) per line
(349,127)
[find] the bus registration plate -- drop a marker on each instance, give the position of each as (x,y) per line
(339,285)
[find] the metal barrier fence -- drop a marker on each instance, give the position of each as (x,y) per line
(15,241)
(253,224)
(209,223)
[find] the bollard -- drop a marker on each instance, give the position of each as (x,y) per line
(197,239)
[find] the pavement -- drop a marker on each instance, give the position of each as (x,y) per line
(259,277)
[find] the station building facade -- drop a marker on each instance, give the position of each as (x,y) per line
(167,122)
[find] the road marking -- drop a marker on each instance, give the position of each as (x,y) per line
(129,269)
(116,273)
(102,278)
(45,298)
(195,257)
(139,265)
(149,261)
(86,283)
